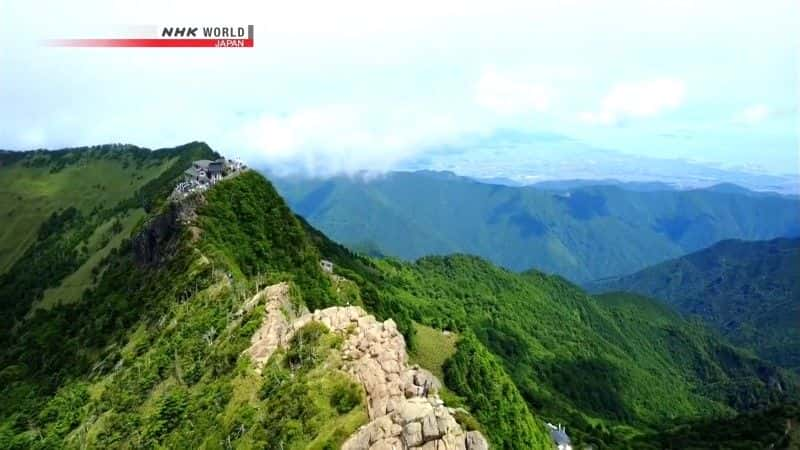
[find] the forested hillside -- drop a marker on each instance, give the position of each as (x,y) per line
(749,291)
(154,351)
(582,233)
(610,367)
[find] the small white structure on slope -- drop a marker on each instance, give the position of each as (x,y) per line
(559,435)
(326,265)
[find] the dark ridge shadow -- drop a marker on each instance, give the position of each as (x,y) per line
(514,203)
(583,205)
(528,225)
(311,203)
(592,384)
(677,226)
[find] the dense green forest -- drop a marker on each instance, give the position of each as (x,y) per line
(582,233)
(611,367)
(150,353)
(749,291)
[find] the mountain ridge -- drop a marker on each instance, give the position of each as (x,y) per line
(584,234)
(154,350)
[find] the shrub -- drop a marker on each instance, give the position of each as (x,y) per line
(304,349)
(345,397)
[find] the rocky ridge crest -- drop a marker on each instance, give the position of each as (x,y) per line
(404,408)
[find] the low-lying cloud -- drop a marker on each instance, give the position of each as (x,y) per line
(338,139)
(638,100)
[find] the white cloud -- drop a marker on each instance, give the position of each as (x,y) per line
(507,94)
(336,139)
(366,58)
(753,114)
(637,100)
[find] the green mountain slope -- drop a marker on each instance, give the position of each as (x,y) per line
(749,291)
(612,362)
(777,428)
(583,233)
(34,185)
(153,352)
(69,208)
(151,355)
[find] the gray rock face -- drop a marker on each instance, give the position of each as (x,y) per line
(404,408)
(159,237)
(430,428)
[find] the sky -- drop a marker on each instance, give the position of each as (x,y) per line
(345,86)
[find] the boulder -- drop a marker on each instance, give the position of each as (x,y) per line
(358,441)
(424,378)
(476,441)
(430,428)
(412,434)
(413,410)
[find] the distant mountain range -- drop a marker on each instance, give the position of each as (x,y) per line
(581,231)
(750,291)
(516,158)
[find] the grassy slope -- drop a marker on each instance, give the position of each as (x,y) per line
(32,188)
(103,241)
(433,349)
(68,215)
(749,291)
(591,233)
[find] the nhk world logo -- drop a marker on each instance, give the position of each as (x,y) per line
(166,36)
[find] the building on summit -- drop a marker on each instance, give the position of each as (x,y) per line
(204,173)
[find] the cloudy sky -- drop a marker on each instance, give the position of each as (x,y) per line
(345,85)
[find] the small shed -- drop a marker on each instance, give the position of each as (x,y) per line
(559,435)
(326,265)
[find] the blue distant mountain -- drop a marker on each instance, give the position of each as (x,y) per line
(580,232)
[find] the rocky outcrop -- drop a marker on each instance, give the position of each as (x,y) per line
(158,238)
(277,327)
(404,408)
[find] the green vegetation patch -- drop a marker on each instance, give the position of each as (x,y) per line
(247,226)
(476,375)
(105,238)
(433,348)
